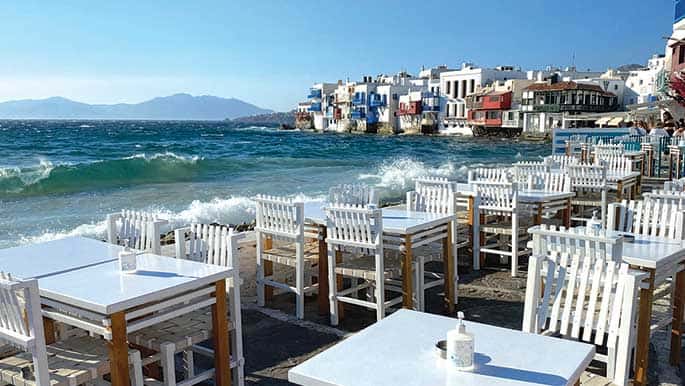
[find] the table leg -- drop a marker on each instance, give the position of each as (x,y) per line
(473,234)
(481,240)
(407,274)
(268,270)
(222,364)
(49,329)
(323,274)
(643,331)
(677,320)
(339,284)
(619,192)
(538,216)
(449,265)
(566,214)
(118,351)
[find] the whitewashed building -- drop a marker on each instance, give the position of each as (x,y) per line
(642,83)
(456,85)
(319,100)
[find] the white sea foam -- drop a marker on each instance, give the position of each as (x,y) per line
(165,155)
(398,174)
(232,210)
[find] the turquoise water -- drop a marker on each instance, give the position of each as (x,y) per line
(60,178)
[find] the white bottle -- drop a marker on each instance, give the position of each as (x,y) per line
(594,224)
(460,346)
(127,261)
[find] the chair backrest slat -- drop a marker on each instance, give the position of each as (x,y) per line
(648,218)
(141,230)
(352,194)
(354,226)
(280,217)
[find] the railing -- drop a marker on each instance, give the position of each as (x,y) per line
(377,102)
(315,107)
(557,108)
(357,114)
(314,93)
(359,100)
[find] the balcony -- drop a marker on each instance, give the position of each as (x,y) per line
(359,100)
(314,93)
(358,114)
(376,100)
(315,107)
(411,108)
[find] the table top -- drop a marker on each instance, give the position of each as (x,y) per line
(398,350)
(104,289)
(526,195)
(51,257)
(652,252)
(396,221)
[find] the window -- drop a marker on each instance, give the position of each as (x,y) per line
(681,54)
(642,81)
(615,87)
(395,97)
(448,83)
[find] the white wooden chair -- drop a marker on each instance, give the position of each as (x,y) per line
(667,196)
(209,244)
(600,244)
(442,200)
(434,182)
(675,185)
(589,182)
(489,175)
(609,149)
(586,299)
(501,218)
(360,229)
(140,230)
(352,194)
(525,168)
(561,162)
(649,218)
(69,362)
(280,235)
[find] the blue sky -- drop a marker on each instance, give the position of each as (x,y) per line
(268,52)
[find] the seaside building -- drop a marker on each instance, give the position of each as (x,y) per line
(319,101)
(303,117)
(496,109)
(643,84)
(456,85)
(554,74)
(546,104)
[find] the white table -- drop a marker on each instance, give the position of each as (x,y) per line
(541,199)
(82,286)
(42,259)
(402,230)
(398,350)
(661,258)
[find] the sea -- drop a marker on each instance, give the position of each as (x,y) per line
(61,178)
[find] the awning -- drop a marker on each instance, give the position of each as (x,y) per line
(602,121)
(615,121)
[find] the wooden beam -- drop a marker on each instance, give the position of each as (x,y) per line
(268,269)
(407,274)
(118,351)
(322,297)
(643,330)
(449,265)
(49,329)
(677,320)
(222,364)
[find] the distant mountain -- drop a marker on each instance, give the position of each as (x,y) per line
(630,67)
(269,120)
(174,107)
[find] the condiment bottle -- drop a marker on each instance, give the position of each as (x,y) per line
(460,346)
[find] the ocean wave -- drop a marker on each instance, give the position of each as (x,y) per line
(47,178)
(399,174)
(232,210)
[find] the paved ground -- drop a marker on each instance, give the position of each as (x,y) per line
(275,341)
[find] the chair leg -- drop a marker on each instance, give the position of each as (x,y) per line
(137,368)
(168,364)
(420,284)
(260,272)
(514,244)
(332,287)
(188,363)
(299,285)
